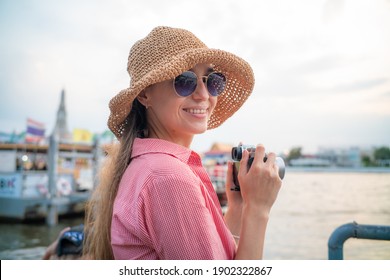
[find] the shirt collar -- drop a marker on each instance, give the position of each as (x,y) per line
(143,146)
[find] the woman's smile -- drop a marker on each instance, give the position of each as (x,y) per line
(197,112)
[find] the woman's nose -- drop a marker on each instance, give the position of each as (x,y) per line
(201,91)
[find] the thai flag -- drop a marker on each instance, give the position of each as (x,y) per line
(35,131)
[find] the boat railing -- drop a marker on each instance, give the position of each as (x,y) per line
(354,230)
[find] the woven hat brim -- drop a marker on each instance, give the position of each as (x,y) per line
(239,75)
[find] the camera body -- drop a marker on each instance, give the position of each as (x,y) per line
(237,156)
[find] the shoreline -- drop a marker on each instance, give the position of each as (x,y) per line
(339,169)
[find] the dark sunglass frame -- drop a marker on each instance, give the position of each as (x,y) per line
(189,83)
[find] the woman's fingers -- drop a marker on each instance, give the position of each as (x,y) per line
(259,155)
(229,175)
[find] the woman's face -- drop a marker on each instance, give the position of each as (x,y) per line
(175,118)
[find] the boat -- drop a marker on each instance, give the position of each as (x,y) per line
(45,177)
(25,192)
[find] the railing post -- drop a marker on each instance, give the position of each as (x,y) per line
(342,233)
(52,215)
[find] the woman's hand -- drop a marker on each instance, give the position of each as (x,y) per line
(234,201)
(259,186)
(234,198)
(260,183)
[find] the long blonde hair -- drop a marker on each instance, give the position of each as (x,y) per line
(97,243)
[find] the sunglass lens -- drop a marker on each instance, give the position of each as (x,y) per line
(185,84)
(216,83)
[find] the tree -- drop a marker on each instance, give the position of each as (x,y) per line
(382,156)
(382,153)
(294,153)
(366,160)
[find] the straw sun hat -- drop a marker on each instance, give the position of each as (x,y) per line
(166,53)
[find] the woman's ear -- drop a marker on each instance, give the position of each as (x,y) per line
(143,98)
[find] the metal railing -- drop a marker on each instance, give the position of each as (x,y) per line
(346,231)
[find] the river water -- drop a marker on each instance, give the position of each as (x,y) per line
(310,206)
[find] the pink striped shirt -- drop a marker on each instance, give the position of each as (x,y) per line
(166,207)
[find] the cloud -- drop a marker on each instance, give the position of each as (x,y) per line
(312,60)
(333,9)
(369,84)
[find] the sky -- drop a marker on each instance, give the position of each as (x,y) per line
(322,67)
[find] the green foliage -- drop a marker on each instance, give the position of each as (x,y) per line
(382,153)
(366,160)
(294,153)
(380,157)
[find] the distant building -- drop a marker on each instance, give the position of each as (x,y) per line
(310,162)
(219,152)
(343,157)
(332,157)
(215,162)
(61,126)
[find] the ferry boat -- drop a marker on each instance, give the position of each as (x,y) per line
(24,180)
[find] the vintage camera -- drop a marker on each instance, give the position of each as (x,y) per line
(237,155)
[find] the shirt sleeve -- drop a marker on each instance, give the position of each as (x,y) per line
(175,216)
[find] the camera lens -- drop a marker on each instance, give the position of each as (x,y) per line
(237,153)
(282,167)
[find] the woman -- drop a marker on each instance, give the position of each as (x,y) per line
(155,200)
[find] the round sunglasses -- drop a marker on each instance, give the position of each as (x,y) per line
(186,83)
